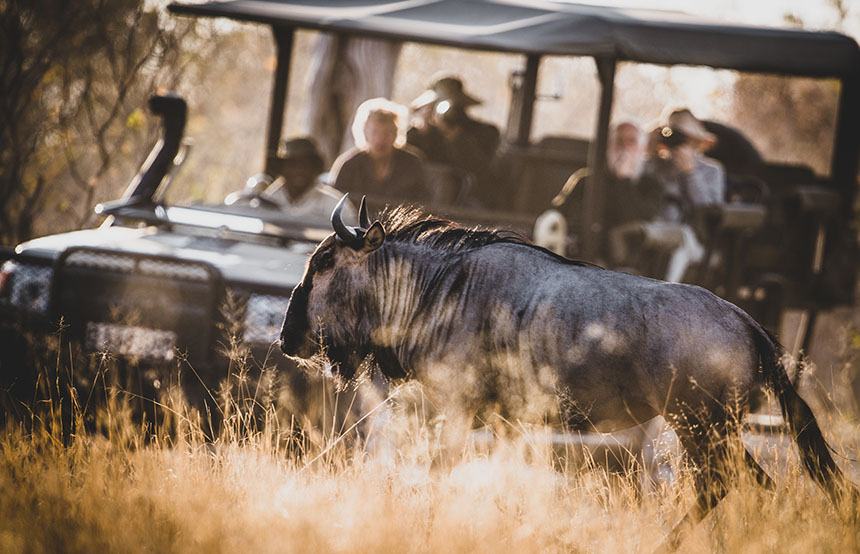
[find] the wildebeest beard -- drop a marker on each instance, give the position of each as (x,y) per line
(335,352)
(347,362)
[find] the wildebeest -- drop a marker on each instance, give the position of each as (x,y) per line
(499,319)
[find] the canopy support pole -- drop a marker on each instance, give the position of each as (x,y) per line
(524,129)
(284,41)
(523,87)
(595,190)
(844,164)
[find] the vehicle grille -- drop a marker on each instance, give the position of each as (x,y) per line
(136,305)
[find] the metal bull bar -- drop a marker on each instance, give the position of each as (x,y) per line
(138,306)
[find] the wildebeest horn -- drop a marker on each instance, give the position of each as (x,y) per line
(363,219)
(346,233)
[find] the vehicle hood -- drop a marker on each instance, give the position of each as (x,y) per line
(239,261)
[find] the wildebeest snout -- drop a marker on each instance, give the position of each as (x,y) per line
(296,338)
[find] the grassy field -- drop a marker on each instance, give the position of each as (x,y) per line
(275,481)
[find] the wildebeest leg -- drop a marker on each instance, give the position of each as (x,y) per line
(708,437)
(712,443)
(759,474)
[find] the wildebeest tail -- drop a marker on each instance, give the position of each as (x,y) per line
(814,450)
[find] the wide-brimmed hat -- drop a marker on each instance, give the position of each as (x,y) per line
(445,88)
(683,120)
(300,148)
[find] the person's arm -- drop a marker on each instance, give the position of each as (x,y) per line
(706,183)
(343,173)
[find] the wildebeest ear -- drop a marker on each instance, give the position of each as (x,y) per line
(373,237)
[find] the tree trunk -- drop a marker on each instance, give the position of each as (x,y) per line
(347,71)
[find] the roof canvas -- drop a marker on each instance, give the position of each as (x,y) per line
(544,27)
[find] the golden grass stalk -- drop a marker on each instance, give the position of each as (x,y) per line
(404,479)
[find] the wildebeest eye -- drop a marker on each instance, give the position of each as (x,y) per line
(324,261)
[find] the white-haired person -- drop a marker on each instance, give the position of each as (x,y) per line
(380,163)
(631,204)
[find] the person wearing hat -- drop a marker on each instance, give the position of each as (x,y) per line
(687,180)
(702,179)
(446,93)
(449,137)
(296,188)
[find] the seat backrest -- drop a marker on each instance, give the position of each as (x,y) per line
(782,178)
(447,184)
(535,174)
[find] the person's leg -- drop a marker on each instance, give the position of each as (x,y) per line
(689,251)
(618,238)
(678,264)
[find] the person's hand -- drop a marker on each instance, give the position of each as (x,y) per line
(684,158)
(420,125)
(423,117)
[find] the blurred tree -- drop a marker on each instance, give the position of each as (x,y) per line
(793,120)
(74,76)
(347,71)
(761,105)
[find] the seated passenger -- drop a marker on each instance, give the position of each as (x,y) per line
(695,178)
(741,161)
(378,165)
(295,189)
(659,203)
(424,134)
(625,157)
(733,149)
(462,149)
(632,202)
(688,180)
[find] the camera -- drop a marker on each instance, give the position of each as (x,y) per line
(672,138)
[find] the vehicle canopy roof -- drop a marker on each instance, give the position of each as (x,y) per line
(539,27)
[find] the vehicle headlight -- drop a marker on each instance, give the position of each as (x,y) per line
(264,316)
(26,286)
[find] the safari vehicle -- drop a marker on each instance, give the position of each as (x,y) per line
(150,282)
(157,282)
(786,242)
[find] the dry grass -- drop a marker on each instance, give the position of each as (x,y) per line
(413,483)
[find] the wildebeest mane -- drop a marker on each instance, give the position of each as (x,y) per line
(409,224)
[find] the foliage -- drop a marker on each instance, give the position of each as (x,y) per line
(75,76)
(792,118)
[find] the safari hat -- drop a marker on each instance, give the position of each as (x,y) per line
(684,121)
(445,88)
(300,148)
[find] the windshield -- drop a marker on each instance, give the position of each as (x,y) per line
(227,149)
(567,98)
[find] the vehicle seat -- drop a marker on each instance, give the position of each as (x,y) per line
(532,176)
(447,184)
